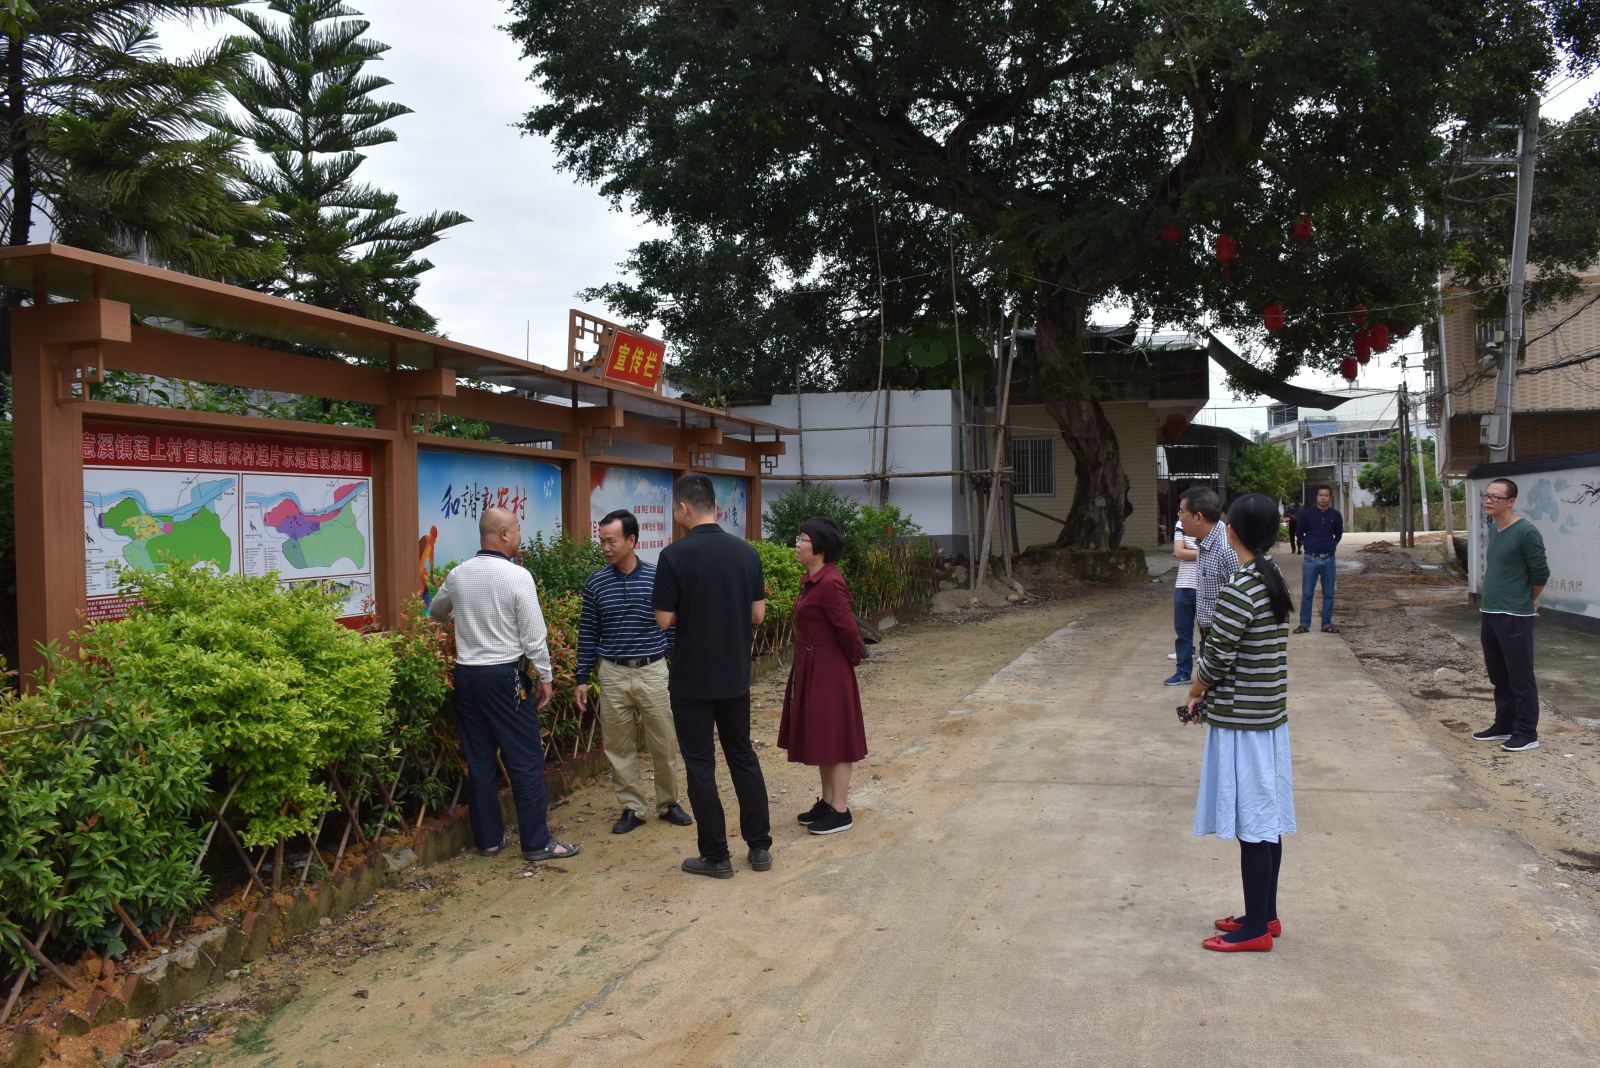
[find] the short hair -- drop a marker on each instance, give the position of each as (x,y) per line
(1320,488)
(1511,487)
(1202,500)
(629,521)
(695,491)
(827,540)
(493,520)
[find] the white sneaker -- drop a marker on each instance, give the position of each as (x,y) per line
(1172,656)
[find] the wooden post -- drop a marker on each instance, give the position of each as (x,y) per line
(396,574)
(47,427)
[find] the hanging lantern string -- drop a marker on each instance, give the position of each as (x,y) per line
(1314,313)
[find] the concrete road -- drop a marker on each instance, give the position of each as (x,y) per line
(1022,888)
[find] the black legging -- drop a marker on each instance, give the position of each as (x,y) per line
(1258,870)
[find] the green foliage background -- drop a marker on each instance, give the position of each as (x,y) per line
(1266,468)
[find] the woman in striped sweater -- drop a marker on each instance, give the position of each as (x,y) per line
(1241,689)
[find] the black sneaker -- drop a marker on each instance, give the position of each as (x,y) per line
(831,822)
(1490,734)
(806,818)
(1515,744)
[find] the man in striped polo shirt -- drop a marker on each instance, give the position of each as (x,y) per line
(617,628)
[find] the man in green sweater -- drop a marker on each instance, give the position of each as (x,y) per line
(1514,575)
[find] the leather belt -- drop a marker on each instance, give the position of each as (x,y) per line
(636,661)
(1321,556)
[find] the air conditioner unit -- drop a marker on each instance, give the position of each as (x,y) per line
(1489,430)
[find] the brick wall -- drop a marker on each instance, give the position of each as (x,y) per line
(1551,340)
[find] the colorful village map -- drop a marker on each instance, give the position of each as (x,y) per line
(304,527)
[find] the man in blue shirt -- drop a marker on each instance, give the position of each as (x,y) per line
(1320,529)
(617,628)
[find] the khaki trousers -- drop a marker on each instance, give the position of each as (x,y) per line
(635,714)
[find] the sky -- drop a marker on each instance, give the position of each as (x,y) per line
(506,280)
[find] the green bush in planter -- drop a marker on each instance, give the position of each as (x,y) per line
(276,688)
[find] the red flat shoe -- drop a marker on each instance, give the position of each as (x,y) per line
(1254,945)
(1229,925)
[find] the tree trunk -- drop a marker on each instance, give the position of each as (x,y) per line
(21,152)
(1100,504)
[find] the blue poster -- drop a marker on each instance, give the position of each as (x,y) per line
(732,503)
(453,489)
(644,491)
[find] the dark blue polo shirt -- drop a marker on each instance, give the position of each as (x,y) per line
(1321,530)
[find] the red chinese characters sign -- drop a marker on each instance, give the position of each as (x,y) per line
(171,447)
(635,359)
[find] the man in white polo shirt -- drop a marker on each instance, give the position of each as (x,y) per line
(1185,593)
(495,606)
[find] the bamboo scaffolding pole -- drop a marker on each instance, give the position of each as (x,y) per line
(992,512)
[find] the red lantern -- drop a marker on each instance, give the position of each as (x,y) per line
(1272,317)
(1170,234)
(1379,334)
(1363,347)
(1301,229)
(1173,426)
(1347,368)
(1227,249)
(1358,315)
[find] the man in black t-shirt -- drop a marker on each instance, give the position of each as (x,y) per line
(709,584)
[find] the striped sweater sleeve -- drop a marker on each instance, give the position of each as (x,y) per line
(1229,622)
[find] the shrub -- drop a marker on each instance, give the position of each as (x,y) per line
(783,515)
(419,703)
(277,689)
(98,784)
(783,574)
(560,566)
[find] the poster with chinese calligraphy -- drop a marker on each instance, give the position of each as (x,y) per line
(248,504)
(644,491)
(635,359)
(453,489)
(732,503)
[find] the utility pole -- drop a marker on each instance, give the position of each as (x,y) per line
(1422,461)
(1405,470)
(1505,384)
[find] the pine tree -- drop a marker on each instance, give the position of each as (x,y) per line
(109,144)
(309,109)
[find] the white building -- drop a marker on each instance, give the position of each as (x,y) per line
(1333,446)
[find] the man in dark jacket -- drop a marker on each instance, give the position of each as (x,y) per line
(1321,528)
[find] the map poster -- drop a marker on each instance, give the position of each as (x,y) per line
(732,503)
(253,504)
(644,491)
(453,489)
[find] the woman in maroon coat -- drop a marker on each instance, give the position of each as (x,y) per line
(822,722)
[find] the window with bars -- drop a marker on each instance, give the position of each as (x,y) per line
(1033,461)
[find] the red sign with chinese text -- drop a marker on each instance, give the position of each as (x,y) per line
(174,447)
(635,359)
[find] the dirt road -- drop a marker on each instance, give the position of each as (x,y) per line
(1021,888)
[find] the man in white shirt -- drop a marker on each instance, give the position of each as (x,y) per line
(1185,591)
(495,607)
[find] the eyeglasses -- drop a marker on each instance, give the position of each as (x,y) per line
(1495,497)
(798,538)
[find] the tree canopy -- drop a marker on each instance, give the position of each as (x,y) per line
(808,156)
(309,110)
(1382,479)
(1266,467)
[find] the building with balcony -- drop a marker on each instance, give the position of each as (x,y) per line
(1557,395)
(1333,448)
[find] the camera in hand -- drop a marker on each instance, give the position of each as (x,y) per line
(1185,716)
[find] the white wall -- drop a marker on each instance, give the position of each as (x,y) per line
(1564,503)
(923,436)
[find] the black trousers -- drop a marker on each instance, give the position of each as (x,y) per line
(495,713)
(1508,654)
(695,719)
